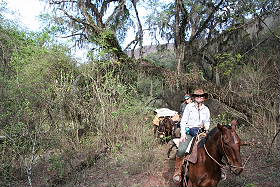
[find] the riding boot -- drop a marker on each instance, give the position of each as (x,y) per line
(177,177)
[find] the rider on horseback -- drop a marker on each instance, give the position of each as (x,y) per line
(196,115)
(187,100)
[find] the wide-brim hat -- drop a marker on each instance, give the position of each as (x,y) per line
(200,92)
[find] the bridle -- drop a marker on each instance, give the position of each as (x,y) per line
(222,165)
(161,129)
(231,166)
(161,133)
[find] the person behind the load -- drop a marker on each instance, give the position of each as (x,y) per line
(195,116)
(187,100)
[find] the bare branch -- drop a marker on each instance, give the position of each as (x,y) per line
(269,151)
(89,19)
(204,25)
(91,25)
(117,13)
(76,34)
(130,43)
(94,9)
(61,2)
(140,28)
(105,5)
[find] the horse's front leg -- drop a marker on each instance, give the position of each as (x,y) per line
(190,184)
(202,180)
(170,149)
(208,183)
(155,130)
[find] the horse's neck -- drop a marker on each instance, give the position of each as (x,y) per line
(213,146)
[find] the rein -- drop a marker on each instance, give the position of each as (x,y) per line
(224,165)
(221,165)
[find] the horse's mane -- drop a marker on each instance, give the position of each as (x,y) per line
(211,134)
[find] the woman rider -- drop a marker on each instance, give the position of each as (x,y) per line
(196,115)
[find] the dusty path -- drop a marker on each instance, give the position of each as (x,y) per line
(259,172)
(119,175)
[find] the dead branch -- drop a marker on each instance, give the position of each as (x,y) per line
(269,151)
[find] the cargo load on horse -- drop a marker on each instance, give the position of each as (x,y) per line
(165,123)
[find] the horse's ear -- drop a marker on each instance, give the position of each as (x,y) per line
(245,143)
(234,123)
(242,143)
(219,126)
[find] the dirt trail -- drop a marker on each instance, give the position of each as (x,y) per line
(101,175)
(259,172)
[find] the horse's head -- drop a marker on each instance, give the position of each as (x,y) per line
(168,123)
(161,129)
(231,146)
(165,127)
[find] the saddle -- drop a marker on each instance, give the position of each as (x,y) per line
(191,152)
(192,156)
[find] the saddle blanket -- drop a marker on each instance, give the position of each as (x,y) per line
(177,141)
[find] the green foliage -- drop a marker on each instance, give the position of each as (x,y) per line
(228,63)
(33,68)
(250,185)
(57,165)
(149,86)
(223,119)
(163,58)
(37,69)
(104,40)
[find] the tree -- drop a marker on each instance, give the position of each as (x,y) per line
(202,28)
(103,23)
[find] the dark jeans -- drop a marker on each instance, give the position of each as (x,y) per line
(194,131)
(184,145)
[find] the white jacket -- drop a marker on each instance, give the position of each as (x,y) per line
(194,117)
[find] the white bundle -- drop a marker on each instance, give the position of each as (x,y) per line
(163,112)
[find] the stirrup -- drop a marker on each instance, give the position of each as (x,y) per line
(223,176)
(177,178)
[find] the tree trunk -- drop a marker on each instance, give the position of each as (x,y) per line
(217,78)
(140,30)
(180,41)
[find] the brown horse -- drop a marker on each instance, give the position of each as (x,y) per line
(165,129)
(222,141)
